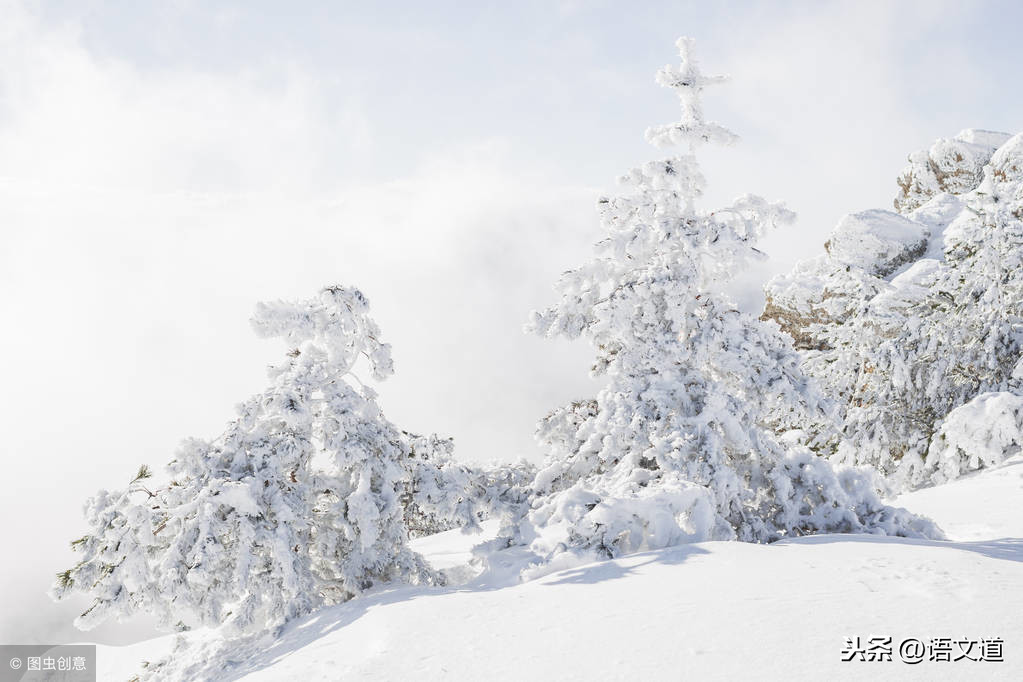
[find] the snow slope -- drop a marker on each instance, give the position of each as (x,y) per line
(708,611)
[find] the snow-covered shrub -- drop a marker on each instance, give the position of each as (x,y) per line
(979,434)
(613,520)
(434,499)
(683,441)
(443,494)
(558,435)
(301,502)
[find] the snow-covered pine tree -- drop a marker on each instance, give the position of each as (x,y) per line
(683,441)
(301,502)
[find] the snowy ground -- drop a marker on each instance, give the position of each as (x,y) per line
(709,611)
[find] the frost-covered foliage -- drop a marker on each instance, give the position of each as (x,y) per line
(982,433)
(558,435)
(682,442)
(443,494)
(944,332)
(916,341)
(434,499)
(303,500)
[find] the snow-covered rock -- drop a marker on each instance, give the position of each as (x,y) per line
(908,287)
(949,165)
(876,241)
(1006,173)
(862,250)
(818,292)
(865,250)
(936,215)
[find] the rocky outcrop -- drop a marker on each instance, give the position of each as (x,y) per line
(863,249)
(1006,174)
(876,241)
(867,250)
(955,166)
(818,293)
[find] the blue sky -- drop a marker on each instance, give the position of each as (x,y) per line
(163,166)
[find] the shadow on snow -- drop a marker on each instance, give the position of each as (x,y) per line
(234,659)
(1006,549)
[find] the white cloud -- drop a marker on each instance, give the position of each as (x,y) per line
(74,121)
(131,291)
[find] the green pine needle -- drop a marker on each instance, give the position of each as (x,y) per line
(65,580)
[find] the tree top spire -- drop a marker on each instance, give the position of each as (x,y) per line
(688,82)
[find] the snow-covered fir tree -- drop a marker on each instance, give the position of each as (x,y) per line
(304,500)
(683,442)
